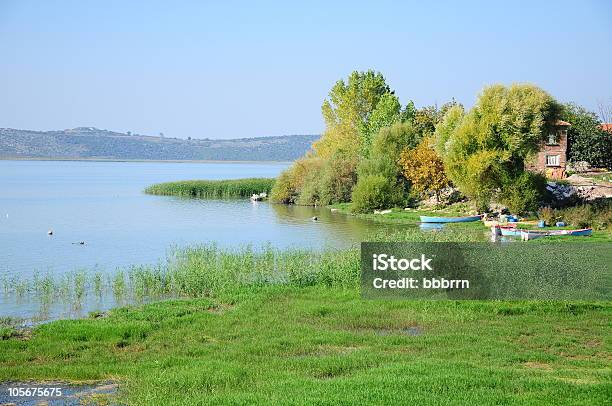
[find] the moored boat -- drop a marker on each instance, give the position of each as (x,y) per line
(510,231)
(580,232)
(464,219)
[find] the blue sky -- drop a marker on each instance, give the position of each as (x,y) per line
(246,69)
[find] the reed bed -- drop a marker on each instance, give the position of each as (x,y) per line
(213,189)
(208,270)
(199,271)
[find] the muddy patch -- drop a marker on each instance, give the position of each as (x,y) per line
(34,393)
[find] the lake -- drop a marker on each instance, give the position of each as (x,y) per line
(103,205)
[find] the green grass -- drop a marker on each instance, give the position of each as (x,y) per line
(401,216)
(213,189)
(324,345)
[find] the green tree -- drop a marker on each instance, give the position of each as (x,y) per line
(446,127)
(587,141)
(380,183)
(355,110)
(348,111)
(486,152)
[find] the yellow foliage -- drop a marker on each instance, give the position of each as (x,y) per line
(424,168)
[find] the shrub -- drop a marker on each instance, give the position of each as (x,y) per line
(380,183)
(337,179)
(597,214)
(283,190)
(524,192)
(292,181)
(548,214)
(378,190)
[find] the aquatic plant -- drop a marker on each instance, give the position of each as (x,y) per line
(213,189)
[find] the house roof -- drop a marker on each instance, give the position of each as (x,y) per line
(606,127)
(562,123)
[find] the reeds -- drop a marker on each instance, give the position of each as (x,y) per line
(195,272)
(213,189)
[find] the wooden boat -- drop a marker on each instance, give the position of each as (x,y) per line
(527,235)
(510,231)
(580,232)
(532,234)
(465,219)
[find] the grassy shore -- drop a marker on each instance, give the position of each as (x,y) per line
(213,189)
(290,327)
(324,345)
(473,229)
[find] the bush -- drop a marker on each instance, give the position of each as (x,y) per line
(337,179)
(548,214)
(524,192)
(380,183)
(597,214)
(291,182)
(378,188)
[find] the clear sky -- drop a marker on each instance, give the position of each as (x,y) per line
(224,69)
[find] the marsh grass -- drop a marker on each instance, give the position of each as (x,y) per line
(213,189)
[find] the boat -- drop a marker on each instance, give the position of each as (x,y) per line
(510,231)
(465,219)
(257,197)
(531,234)
(527,235)
(580,232)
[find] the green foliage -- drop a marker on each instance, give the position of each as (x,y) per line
(376,191)
(446,127)
(487,149)
(337,179)
(597,214)
(379,181)
(524,192)
(213,189)
(355,111)
(292,181)
(386,113)
(352,115)
(587,141)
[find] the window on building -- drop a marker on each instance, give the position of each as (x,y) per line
(553,139)
(552,160)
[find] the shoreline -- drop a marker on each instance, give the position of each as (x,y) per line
(195,161)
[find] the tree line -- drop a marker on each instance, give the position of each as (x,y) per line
(377,154)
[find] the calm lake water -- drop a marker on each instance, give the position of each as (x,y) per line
(102,204)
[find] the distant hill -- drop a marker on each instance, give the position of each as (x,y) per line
(93,143)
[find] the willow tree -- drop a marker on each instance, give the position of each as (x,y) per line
(485,150)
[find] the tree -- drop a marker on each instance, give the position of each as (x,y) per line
(446,127)
(355,110)
(387,112)
(424,168)
(380,183)
(348,110)
(486,151)
(587,140)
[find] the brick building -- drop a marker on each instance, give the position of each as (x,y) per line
(552,158)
